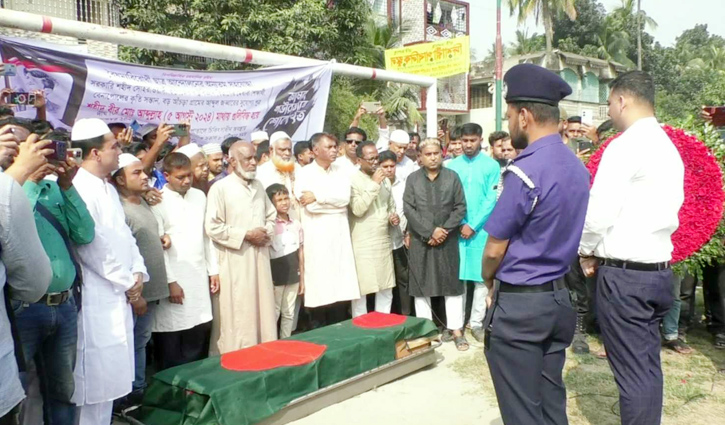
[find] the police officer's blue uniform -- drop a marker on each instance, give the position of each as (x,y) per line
(541,212)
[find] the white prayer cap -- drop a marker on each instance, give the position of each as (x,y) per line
(88,128)
(124,160)
(190,150)
(211,148)
(278,135)
(147,129)
(259,135)
(400,137)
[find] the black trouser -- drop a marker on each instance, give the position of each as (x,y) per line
(182,347)
(713,286)
(631,305)
(583,289)
(526,352)
(331,314)
(12,417)
(402,301)
(687,306)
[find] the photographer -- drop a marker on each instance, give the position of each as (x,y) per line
(383,130)
(48,328)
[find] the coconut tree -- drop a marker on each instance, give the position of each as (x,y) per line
(544,11)
(525,44)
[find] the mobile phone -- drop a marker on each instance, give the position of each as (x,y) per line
(60,150)
(717,113)
(372,107)
(9,70)
(76,154)
(181,130)
(587,118)
(584,145)
(135,126)
(21,98)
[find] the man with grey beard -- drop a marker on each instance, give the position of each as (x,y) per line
(282,168)
(240,222)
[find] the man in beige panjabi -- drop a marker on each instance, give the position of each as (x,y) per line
(240,222)
(372,212)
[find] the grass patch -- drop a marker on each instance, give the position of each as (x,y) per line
(694,387)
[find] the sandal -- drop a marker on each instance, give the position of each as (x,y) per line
(461,343)
(447,336)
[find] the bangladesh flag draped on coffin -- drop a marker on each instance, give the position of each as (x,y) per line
(240,388)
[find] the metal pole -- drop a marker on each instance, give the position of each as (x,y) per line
(431,108)
(70,28)
(639,35)
(498,97)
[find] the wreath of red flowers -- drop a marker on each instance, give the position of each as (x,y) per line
(704,196)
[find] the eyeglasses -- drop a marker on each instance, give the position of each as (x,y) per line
(372,160)
(349,141)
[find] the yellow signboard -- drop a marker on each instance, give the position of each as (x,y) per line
(439,59)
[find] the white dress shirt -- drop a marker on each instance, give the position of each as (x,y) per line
(405,168)
(397,232)
(190,260)
(636,197)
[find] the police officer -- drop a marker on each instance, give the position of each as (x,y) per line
(534,234)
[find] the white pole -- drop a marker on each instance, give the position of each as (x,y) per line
(431,107)
(70,28)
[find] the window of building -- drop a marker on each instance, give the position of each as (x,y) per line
(572,78)
(603,92)
(480,97)
(446,15)
(93,11)
(590,88)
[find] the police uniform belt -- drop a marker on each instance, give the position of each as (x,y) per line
(642,267)
(544,287)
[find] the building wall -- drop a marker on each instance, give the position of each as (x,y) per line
(413,21)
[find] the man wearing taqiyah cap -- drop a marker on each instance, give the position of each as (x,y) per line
(534,233)
(399,141)
(132,183)
(259,137)
(282,167)
(113,271)
(215,159)
(199,166)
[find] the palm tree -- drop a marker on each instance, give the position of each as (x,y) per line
(525,44)
(614,45)
(544,10)
(713,58)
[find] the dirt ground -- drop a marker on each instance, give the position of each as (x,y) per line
(435,395)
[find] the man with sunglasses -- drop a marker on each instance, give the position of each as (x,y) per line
(372,212)
(348,158)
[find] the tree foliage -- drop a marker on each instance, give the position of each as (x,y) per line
(310,28)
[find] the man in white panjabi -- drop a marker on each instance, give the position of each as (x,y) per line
(372,213)
(113,276)
(182,322)
(281,169)
(240,221)
(323,189)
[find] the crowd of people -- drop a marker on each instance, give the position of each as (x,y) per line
(142,254)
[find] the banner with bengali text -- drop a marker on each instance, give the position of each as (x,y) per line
(218,104)
(438,59)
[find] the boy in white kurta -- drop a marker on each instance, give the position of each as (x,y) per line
(182,322)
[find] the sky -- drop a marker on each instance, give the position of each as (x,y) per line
(672,16)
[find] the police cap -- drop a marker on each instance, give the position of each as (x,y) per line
(527,82)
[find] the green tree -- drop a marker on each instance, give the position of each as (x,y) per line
(583,30)
(525,44)
(613,45)
(545,11)
(310,28)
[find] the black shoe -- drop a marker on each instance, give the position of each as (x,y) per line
(580,345)
(720,341)
(479,334)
